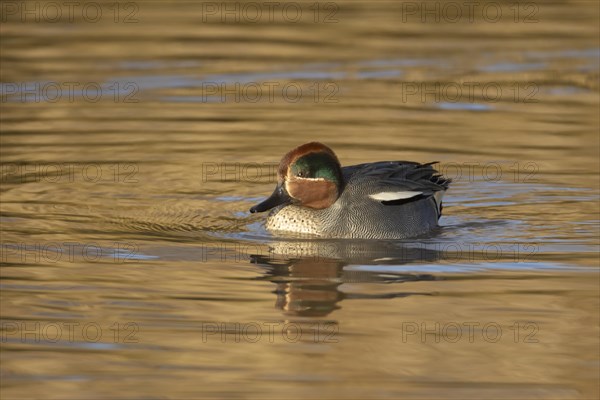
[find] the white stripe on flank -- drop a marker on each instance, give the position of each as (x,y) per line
(391,196)
(438,196)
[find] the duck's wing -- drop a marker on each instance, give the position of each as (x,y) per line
(397,182)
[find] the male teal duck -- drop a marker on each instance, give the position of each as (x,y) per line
(380,200)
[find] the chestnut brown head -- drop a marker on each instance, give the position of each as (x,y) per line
(310,176)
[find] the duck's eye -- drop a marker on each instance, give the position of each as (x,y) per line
(301,174)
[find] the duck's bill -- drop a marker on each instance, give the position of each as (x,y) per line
(279,197)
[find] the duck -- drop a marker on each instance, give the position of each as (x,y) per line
(315,196)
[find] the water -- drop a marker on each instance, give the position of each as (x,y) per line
(131,267)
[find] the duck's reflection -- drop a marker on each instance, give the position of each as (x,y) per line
(309,275)
(305,287)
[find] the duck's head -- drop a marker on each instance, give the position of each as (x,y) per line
(310,175)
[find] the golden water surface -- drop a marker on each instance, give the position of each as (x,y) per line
(136,135)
